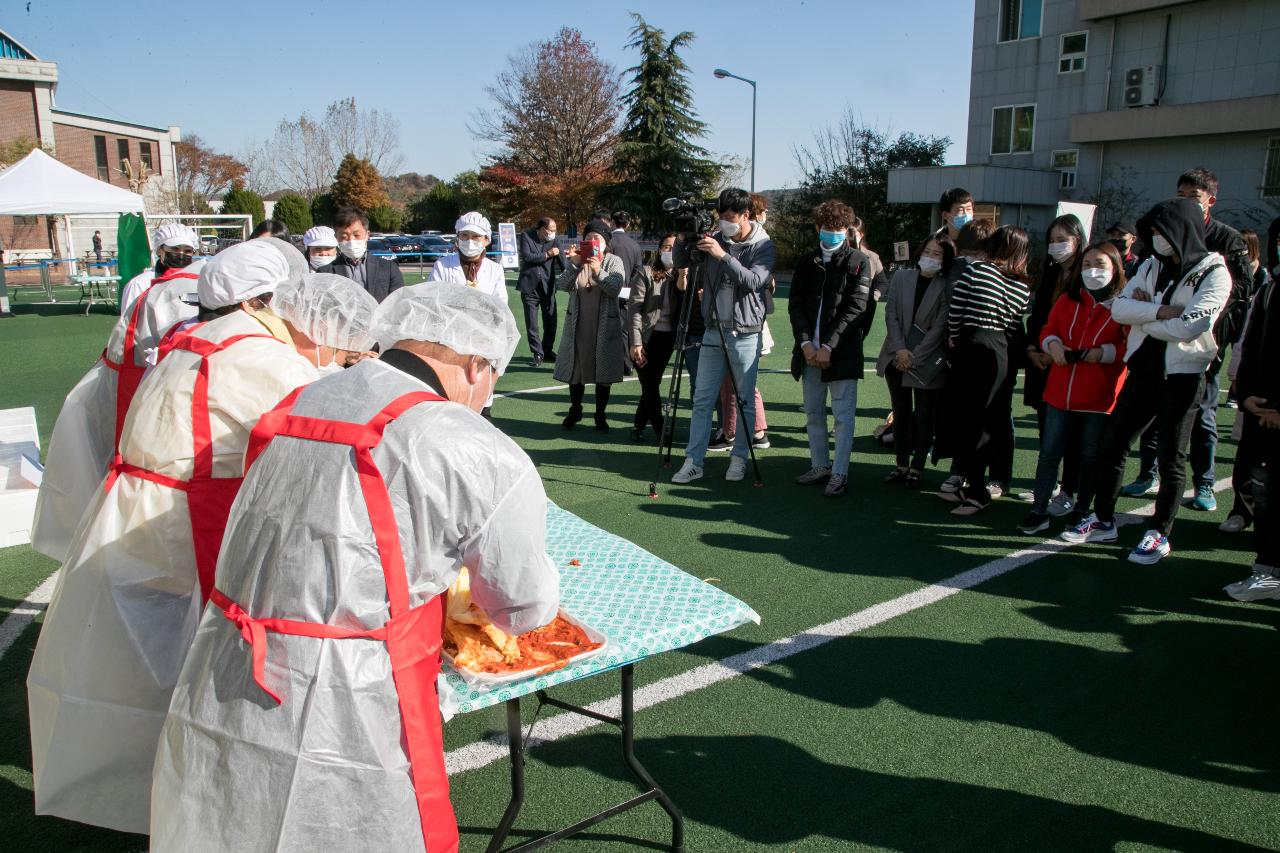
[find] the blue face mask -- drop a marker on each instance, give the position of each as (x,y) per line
(831,240)
(960,220)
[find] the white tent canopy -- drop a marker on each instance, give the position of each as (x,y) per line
(40,185)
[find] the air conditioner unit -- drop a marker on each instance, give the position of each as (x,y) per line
(1142,86)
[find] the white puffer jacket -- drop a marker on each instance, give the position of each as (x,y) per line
(1201,294)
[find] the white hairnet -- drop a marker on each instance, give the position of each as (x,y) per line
(475,222)
(453,315)
(298,266)
(321,236)
(329,309)
(174,234)
(242,272)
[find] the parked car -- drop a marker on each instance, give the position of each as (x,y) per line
(436,246)
(379,246)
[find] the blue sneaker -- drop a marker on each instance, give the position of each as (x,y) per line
(1153,548)
(1204,501)
(1091,530)
(1141,488)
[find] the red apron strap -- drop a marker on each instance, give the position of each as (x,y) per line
(267,427)
(118,466)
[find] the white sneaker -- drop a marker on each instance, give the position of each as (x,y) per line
(737,469)
(1153,548)
(997,490)
(952,484)
(1232,589)
(1091,530)
(688,473)
(1260,588)
(1061,505)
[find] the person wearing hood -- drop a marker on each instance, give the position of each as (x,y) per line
(591,348)
(320,245)
(734,268)
(831,307)
(174,245)
(141,565)
(344,631)
(469,265)
(87,431)
(1171,306)
(380,277)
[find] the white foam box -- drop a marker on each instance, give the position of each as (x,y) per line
(20,473)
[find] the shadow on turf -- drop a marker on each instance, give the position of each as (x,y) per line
(767,791)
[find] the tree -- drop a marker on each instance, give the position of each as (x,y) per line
(358,184)
(203,173)
(656,156)
(323,210)
(386,217)
(15,149)
(293,210)
(303,154)
(240,200)
(1118,197)
(555,119)
(435,210)
(850,161)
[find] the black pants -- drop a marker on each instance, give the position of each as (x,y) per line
(1247,465)
(1172,404)
(979,415)
(540,304)
(1267,495)
(914,410)
(657,353)
(1002,432)
(577,391)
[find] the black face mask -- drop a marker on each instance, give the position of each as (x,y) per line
(1120,247)
(175,260)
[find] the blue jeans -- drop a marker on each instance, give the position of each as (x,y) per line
(844,407)
(1058,427)
(744,357)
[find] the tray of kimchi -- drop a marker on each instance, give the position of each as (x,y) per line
(481,653)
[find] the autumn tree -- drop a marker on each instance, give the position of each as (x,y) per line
(554,121)
(358,184)
(656,156)
(203,174)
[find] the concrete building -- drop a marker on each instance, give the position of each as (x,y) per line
(114,151)
(1108,101)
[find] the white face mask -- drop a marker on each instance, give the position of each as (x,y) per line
(1096,279)
(728,229)
(763,217)
(1061,252)
(332,367)
(318,261)
(353,249)
(471,248)
(666,259)
(1161,246)
(930,266)
(551,235)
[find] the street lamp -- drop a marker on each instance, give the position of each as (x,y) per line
(721,74)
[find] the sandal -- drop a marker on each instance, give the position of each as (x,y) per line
(913,479)
(897,475)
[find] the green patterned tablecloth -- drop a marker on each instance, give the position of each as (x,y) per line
(644,605)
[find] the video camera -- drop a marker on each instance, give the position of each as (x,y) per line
(691,219)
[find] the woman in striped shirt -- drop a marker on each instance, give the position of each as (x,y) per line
(986,310)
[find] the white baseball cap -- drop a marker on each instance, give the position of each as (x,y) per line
(320,237)
(174,234)
(473,222)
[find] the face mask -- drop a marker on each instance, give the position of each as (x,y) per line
(318,261)
(353,249)
(929,266)
(1120,247)
(470,248)
(666,259)
(551,235)
(1062,252)
(960,220)
(1096,280)
(763,217)
(1161,246)
(728,229)
(175,260)
(831,240)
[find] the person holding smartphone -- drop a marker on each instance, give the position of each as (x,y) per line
(591,350)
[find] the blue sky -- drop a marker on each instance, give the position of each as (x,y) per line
(230,70)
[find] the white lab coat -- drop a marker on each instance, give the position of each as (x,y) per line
(134,288)
(491,280)
(83,439)
(326,769)
(127,602)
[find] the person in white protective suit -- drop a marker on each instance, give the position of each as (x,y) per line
(87,431)
(306,716)
(174,245)
(141,564)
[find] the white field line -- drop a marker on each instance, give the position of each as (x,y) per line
(22,615)
(479,754)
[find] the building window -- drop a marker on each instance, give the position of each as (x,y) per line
(144,155)
(1064,162)
(1020,19)
(122,153)
(1071,54)
(24,220)
(1013,129)
(100,154)
(989,212)
(1271,169)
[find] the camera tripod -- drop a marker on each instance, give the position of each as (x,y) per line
(671,405)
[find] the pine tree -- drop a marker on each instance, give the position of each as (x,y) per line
(240,200)
(656,152)
(358,184)
(293,210)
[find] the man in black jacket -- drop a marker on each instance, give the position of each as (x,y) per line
(621,244)
(831,309)
(540,265)
(379,276)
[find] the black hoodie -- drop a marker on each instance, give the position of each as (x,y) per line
(1181,222)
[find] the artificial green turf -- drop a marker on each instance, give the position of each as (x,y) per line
(1078,702)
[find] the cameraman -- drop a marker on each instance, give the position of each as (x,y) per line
(733,267)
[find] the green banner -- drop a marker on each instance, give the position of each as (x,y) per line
(133,248)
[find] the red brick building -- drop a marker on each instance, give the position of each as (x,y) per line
(98,147)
